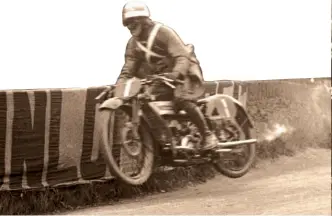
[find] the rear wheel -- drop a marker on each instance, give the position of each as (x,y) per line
(130,162)
(236,163)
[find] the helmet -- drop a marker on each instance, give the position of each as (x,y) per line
(134,9)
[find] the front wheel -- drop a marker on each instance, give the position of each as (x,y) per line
(115,133)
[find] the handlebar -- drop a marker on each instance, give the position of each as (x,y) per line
(164,79)
(104,92)
(147,81)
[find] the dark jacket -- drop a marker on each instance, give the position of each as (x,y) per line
(178,57)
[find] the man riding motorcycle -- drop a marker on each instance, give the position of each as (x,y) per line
(161,51)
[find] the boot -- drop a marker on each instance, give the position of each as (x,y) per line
(211,141)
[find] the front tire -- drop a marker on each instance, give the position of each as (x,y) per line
(109,132)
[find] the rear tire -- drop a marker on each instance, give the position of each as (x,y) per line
(231,173)
(108,131)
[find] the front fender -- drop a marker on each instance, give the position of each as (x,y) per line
(112,103)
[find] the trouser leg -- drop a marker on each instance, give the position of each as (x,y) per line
(158,124)
(199,120)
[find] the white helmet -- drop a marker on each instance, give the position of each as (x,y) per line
(134,9)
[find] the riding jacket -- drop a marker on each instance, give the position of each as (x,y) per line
(167,53)
(172,55)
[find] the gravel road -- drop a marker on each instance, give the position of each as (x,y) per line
(290,185)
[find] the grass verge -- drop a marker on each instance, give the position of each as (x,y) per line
(55,200)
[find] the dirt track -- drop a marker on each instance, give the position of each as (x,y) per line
(297,185)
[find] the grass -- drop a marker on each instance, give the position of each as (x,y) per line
(55,200)
(305,118)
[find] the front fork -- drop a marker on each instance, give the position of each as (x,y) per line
(135,119)
(133,128)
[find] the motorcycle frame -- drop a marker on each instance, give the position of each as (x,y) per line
(139,113)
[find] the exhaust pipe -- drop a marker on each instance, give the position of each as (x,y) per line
(236,143)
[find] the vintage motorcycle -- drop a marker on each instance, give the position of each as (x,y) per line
(135,127)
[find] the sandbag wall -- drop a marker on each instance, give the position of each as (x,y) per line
(48,137)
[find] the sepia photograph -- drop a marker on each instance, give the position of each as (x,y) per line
(155,107)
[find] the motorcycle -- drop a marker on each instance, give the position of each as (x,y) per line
(134,126)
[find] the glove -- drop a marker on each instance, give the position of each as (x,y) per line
(172,75)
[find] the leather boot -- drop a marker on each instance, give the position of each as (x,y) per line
(211,140)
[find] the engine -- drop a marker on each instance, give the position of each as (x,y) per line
(185,134)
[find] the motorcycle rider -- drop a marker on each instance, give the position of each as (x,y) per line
(157,49)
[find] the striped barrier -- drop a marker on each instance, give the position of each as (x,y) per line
(48,137)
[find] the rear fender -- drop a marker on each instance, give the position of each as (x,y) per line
(227,107)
